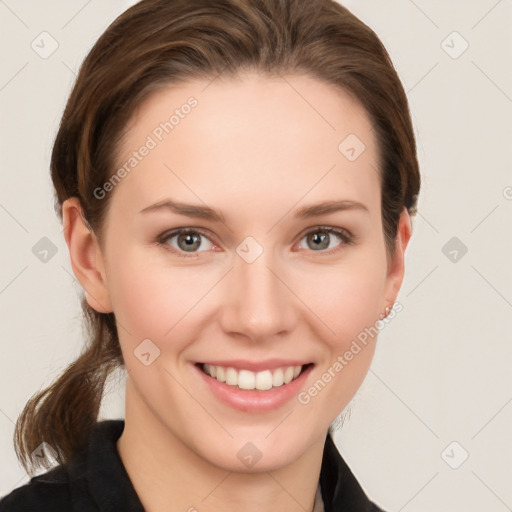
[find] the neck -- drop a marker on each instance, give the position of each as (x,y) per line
(169,475)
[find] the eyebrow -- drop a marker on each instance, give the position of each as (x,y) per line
(207,213)
(327,207)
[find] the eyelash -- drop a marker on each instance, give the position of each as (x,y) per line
(162,240)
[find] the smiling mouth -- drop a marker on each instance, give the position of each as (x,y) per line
(249,380)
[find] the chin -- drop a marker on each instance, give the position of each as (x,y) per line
(255,452)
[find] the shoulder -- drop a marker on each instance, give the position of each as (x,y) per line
(93,479)
(46,492)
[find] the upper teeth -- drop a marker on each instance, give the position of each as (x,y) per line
(245,379)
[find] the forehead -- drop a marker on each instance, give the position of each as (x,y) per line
(275,138)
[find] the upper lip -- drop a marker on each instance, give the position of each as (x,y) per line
(256,366)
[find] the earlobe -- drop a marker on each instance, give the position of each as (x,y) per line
(396,266)
(85,255)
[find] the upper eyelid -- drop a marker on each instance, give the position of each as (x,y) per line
(326,228)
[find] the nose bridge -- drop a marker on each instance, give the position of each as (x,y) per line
(259,305)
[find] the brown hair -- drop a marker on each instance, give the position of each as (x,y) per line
(156,43)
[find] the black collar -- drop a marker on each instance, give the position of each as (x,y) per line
(105,475)
(340,489)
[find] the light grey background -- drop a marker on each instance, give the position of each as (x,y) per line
(441,372)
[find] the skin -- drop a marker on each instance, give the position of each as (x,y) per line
(256,151)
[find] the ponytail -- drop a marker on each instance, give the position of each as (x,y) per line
(63,415)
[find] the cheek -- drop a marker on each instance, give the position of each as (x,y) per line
(152,300)
(346,298)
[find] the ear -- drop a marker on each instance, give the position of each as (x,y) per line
(85,254)
(396,266)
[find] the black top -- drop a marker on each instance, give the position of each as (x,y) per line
(96,480)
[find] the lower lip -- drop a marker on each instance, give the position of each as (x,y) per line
(254,400)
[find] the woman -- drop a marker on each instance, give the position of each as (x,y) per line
(236,181)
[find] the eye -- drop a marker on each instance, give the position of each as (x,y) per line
(185,240)
(322,239)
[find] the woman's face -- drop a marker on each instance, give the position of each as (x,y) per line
(256,171)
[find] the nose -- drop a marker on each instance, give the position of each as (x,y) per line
(257,303)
